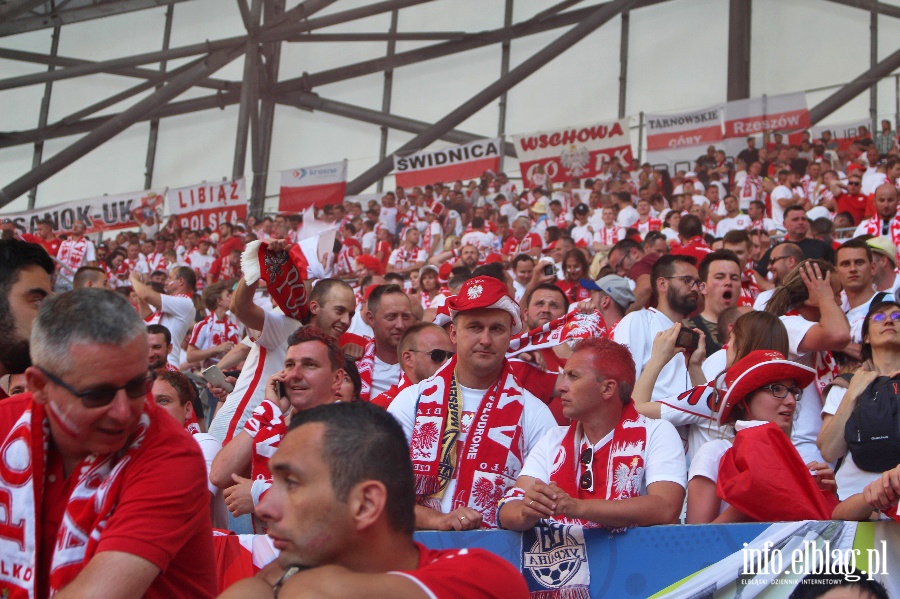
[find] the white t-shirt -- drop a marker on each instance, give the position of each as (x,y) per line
(536,421)
(75,254)
(177,316)
(210,447)
(388,216)
(739,222)
(759,304)
(401,258)
(781,192)
(583,234)
(636,332)
(384,376)
(808,415)
(627,217)
(849,478)
(706,463)
(663,455)
(369,239)
(714,364)
(265,359)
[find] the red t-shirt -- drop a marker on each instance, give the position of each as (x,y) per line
(469,573)
(696,249)
(232,243)
(162,514)
(855,204)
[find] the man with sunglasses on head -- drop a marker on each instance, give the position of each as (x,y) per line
(423,349)
(122,503)
(566,477)
(676,285)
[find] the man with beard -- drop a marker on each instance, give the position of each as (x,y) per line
(25,271)
(676,284)
(468,257)
(720,285)
(160,340)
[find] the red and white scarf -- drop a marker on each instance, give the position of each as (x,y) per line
(617,467)
(570,327)
(366,368)
(490,459)
(90,505)
(610,235)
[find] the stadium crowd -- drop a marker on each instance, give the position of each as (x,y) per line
(639,348)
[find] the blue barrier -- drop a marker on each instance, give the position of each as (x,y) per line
(641,562)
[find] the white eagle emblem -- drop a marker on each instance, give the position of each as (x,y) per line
(474,292)
(575,160)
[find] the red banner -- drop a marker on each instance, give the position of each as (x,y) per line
(312,186)
(208,204)
(786,112)
(573,152)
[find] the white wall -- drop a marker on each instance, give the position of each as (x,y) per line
(677,60)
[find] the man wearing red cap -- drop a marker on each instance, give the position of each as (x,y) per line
(471,425)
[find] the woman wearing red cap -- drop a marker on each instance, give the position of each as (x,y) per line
(759,476)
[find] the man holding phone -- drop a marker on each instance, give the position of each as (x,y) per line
(676,284)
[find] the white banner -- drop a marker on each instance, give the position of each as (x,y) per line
(104,213)
(208,204)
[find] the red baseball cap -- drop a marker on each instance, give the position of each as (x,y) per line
(486,293)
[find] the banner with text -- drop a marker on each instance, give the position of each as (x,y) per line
(208,204)
(566,153)
(312,186)
(676,140)
(468,161)
(786,112)
(104,213)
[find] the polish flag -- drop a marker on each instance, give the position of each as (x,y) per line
(312,186)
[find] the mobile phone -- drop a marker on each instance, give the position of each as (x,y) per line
(688,339)
(550,270)
(215,376)
(280,387)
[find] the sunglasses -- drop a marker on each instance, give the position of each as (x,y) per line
(882,317)
(438,356)
(103,395)
(587,478)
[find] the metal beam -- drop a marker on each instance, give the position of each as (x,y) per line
(153,136)
(276,32)
(42,118)
(249,91)
(623,63)
(58,18)
(116,125)
(386,92)
(596,19)
(879,7)
(313,102)
(738,86)
(849,91)
(470,41)
(136,72)
(504,69)
(14,8)
(377,37)
(873,60)
(271,52)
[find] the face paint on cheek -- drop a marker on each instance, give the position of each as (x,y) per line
(63,418)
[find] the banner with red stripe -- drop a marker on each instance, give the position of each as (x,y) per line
(208,204)
(785,112)
(467,161)
(312,186)
(569,152)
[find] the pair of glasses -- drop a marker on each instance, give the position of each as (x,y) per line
(587,478)
(882,317)
(103,395)
(687,280)
(781,391)
(438,356)
(853,183)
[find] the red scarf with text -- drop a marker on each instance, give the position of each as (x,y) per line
(90,505)
(491,457)
(284,273)
(617,468)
